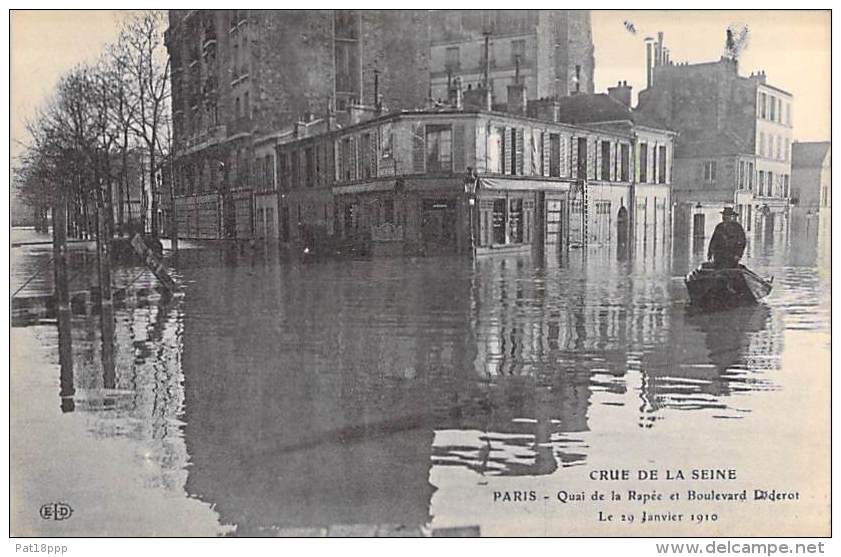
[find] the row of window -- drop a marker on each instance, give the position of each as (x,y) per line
(773,147)
(774,109)
(772,185)
(439,149)
(659,164)
(765,179)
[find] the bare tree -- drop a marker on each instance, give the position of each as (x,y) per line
(144,60)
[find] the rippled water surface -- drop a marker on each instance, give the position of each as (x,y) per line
(405,393)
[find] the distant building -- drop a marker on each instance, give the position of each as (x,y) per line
(811,174)
(733,145)
(549,51)
(811,196)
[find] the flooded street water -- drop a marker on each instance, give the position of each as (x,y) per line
(405,394)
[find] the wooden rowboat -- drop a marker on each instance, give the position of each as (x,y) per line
(712,288)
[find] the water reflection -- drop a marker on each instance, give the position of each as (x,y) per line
(325,393)
(306,395)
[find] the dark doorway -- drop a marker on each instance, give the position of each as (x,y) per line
(622,223)
(438,224)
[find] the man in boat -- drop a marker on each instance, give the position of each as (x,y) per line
(728,242)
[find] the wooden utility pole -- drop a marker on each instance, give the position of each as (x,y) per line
(62,298)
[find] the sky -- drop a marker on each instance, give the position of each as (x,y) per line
(792,47)
(45,45)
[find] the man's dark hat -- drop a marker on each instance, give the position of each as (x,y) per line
(729,211)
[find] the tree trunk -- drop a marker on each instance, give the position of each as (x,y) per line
(153,191)
(62,299)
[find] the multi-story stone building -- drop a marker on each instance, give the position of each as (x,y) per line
(549,51)
(652,148)
(316,129)
(460,178)
(733,146)
(239,76)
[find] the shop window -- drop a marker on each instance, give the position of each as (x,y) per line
(515,221)
(499,218)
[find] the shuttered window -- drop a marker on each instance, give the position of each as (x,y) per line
(546,153)
(519,148)
(563,162)
(507,151)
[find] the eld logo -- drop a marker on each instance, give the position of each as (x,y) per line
(56,511)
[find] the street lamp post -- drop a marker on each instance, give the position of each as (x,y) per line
(471,185)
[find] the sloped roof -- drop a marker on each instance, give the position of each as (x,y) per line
(809,154)
(600,107)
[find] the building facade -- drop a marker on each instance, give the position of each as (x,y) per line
(459,180)
(652,152)
(238,75)
(733,147)
(312,128)
(549,51)
(811,174)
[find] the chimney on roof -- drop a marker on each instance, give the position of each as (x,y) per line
(480,98)
(547,109)
(658,60)
(517,92)
(455,94)
(622,92)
